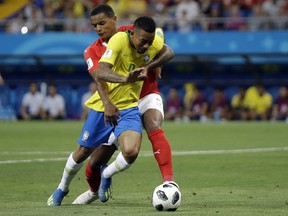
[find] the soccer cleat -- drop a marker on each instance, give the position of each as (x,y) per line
(86,198)
(56,198)
(104,191)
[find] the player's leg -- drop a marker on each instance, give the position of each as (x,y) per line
(130,142)
(93,134)
(151,108)
(69,172)
(99,157)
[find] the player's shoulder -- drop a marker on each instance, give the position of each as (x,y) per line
(120,35)
(95,45)
(119,39)
(158,39)
(125,28)
(159,33)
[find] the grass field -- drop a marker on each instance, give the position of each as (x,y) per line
(223,169)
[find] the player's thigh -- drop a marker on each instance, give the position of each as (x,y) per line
(151,101)
(151,109)
(130,142)
(94,131)
(152,120)
(129,129)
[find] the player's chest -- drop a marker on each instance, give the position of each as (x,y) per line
(132,57)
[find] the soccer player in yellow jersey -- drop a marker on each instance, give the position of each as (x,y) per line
(121,58)
(127,55)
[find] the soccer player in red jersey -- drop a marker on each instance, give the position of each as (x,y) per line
(150,105)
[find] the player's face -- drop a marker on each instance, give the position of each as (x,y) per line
(141,40)
(104,26)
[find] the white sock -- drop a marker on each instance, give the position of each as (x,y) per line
(116,166)
(70,170)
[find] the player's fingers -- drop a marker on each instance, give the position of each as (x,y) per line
(118,114)
(142,76)
(114,121)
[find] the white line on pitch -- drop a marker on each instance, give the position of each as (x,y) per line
(143,154)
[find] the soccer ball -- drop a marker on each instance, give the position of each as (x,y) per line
(166,197)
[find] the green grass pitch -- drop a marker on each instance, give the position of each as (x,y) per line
(230,169)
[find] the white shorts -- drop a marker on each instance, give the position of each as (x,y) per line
(150,101)
(112,140)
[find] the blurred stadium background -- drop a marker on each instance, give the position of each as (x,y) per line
(218,43)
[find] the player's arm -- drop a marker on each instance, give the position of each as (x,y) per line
(92,55)
(164,56)
(105,73)
(111,112)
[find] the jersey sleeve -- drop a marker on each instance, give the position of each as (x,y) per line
(158,43)
(91,57)
(114,47)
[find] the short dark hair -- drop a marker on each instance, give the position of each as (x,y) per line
(146,23)
(103,8)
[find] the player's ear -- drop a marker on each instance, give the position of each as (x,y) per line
(115,18)
(132,32)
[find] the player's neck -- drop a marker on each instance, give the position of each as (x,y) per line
(130,39)
(107,39)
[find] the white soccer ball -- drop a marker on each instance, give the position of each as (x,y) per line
(166,197)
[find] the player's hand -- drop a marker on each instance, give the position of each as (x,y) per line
(137,74)
(111,114)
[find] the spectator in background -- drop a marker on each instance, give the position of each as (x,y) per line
(194,104)
(186,12)
(259,102)
(213,10)
(161,10)
(271,7)
(85,97)
(129,9)
(54,105)
(33,16)
(280,108)
(239,106)
(236,21)
(15,25)
(258,23)
(174,106)
(219,107)
(52,23)
(31,103)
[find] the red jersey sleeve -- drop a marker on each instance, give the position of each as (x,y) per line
(125,27)
(93,53)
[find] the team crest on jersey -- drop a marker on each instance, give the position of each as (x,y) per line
(85,136)
(146,58)
(89,63)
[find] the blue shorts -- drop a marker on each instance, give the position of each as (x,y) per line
(95,132)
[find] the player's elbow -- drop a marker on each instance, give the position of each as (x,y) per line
(98,74)
(170,53)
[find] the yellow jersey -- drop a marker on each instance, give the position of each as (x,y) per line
(124,59)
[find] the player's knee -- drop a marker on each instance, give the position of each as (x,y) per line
(95,164)
(130,154)
(81,154)
(152,123)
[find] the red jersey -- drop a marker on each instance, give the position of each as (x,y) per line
(93,53)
